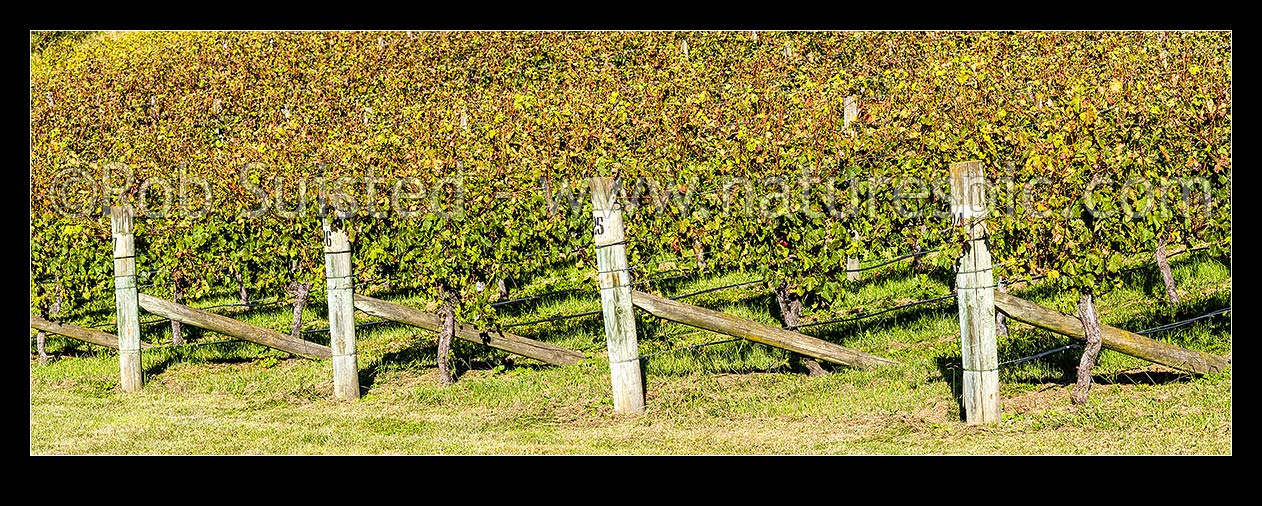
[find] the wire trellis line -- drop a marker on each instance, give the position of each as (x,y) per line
(708,290)
(558,254)
(250,305)
(551,319)
(1146,264)
(196,344)
(114,323)
(651,280)
(892,260)
(1039,355)
(376,282)
(691,347)
(675,259)
(860,317)
(596,289)
(1186,322)
(357,325)
(541,295)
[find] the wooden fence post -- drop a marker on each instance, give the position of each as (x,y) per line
(850,112)
(975,292)
(852,265)
(341,299)
(615,298)
(125,299)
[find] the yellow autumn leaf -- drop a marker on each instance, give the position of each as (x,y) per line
(1088,115)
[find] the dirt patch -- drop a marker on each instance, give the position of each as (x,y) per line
(168,383)
(310,393)
(1047,396)
(939,412)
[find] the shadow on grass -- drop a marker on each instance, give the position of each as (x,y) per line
(951,370)
(423,352)
(70,349)
(1058,368)
(940,275)
(735,357)
(838,332)
(159,334)
(554,332)
(176,354)
(1158,316)
(1143,378)
(1148,276)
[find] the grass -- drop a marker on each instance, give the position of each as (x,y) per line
(738,398)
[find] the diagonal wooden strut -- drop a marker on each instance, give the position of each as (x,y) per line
(523,346)
(707,319)
(1114,338)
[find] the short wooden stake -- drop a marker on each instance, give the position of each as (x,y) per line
(125,298)
(852,265)
(615,299)
(975,292)
(341,298)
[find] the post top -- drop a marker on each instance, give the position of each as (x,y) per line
(971,168)
(121,218)
(604,193)
(968,191)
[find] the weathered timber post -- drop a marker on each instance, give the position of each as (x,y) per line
(341,299)
(850,112)
(125,299)
(615,298)
(39,347)
(975,292)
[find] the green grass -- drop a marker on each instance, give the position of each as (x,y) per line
(730,398)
